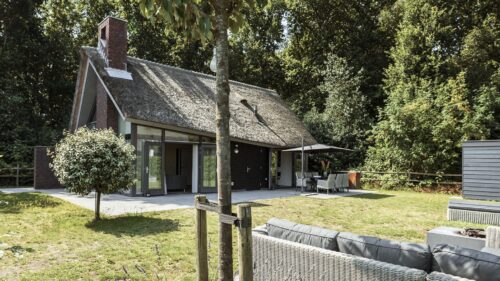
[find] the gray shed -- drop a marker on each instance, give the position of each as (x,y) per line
(481,170)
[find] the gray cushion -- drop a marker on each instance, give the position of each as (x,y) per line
(411,255)
(494,251)
(261,229)
(305,234)
(474,206)
(466,263)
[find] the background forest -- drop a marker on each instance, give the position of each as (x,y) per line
(401,82)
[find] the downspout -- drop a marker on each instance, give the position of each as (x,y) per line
(302,168)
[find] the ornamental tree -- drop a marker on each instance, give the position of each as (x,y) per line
(208,20)
(94,160)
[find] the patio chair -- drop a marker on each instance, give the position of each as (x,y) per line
(302,182)
(342,182)
(310,180)
(327,184)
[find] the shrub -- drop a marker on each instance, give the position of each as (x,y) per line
(94,160)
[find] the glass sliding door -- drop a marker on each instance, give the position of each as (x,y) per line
(153,169)
(208,169)
(148,148)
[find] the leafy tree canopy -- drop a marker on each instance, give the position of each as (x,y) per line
(345,120)
(94,160)
(433,104)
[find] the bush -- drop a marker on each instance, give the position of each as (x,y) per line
(94,160)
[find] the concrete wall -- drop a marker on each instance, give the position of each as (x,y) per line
(481,170)
(43,176)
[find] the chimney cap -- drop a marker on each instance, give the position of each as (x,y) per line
(111,17)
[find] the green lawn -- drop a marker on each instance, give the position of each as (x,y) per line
(44,238)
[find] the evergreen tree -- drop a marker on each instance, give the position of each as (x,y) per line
(344,120)
(432,106)
(349,29)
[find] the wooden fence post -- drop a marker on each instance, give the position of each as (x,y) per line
(245,242)
(201,240)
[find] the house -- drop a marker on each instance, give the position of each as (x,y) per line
(168,114)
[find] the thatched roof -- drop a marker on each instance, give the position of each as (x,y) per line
(186,99)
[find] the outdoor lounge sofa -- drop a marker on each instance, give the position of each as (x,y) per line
(474,212)
(284,250)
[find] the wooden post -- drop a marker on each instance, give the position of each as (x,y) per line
(245,242)
(17,175)
(201,240)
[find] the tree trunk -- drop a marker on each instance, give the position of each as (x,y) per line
(222,140)
(97,205)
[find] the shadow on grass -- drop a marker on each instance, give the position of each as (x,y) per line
(19,251)
(133,226)
(372,196)
(16,202)
(253,204)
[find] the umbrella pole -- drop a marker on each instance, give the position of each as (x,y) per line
(302,164)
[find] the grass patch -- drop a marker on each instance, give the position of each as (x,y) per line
(44,238)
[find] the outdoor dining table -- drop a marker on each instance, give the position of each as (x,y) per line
(314,180)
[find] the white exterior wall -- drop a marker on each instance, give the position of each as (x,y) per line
(286,169)
(194,178)
(124,127)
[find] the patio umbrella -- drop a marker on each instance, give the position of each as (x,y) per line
(315,148)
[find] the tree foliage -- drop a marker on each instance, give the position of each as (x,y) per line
(430,74)
(255,50)
(94,160)
(435,101)
(344,119)
(33,74)
(349,29)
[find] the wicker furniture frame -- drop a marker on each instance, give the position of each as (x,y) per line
(474,212)
(493,237)
(281,260)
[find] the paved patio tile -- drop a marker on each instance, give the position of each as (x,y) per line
(117,204)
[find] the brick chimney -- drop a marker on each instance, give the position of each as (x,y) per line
(112,42)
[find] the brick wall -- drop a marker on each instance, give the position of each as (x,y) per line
(106,113)
(43,176)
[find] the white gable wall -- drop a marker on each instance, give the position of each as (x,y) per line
(88,97)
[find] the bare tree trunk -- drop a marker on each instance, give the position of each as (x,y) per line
(222,140)
(97,205)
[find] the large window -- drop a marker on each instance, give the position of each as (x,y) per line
(151,147)
(209,163)
(144,134)
(171,136)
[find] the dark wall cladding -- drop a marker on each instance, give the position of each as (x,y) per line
(249,166)
(481,170)
(44,178)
